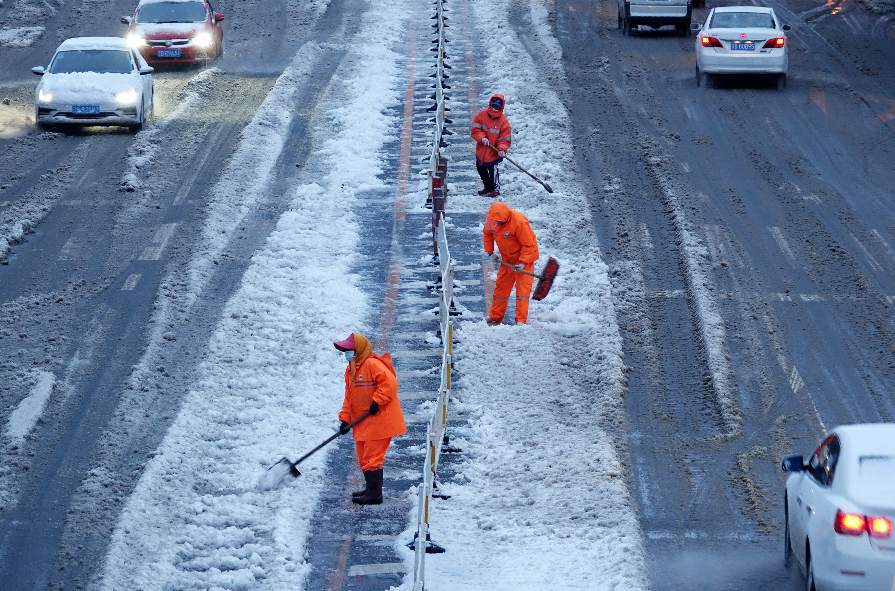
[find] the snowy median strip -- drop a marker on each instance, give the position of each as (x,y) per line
(539,499)
(271,383)
(20,36)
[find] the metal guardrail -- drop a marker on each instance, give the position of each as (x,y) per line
(436,429)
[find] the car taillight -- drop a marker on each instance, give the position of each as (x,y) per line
(850,524)
(775,42)
(879,527)
(710,42)
(855,524)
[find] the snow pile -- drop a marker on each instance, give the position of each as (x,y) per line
(20,36)
(271,384)
(28,411)
(539,496)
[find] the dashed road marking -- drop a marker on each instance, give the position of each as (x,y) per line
(874,264)
(780,239)
(163,235)
(797,385)
(187,186)
(884,242)
(131,282)
(387,568)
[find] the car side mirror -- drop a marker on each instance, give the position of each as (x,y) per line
(793,464)
(695,26)
(218,16)
(126,20)
(146,70)
(39,71)
(786,28)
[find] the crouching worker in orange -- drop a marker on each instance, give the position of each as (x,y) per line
(371,385)
(512,232)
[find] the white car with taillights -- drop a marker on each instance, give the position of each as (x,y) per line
(840,508)
(742,40)
(94,81)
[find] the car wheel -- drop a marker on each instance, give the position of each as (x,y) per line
(629,27)
(781,81)
(139,125)
(787,543)
(809,576)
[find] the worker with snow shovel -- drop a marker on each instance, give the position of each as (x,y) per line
(512,232)
(493,135)
(371,388)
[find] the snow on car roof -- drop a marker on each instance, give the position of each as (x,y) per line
(763,9)
(94,43)
(868,439)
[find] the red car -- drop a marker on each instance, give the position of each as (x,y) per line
(176,31)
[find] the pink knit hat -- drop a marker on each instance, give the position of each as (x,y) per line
(346,345)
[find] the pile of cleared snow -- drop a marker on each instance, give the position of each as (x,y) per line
(271,384)
(30,408)
(20,36)
(539,499)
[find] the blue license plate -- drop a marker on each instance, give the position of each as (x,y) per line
(85,109)
(744,46)
(169,53)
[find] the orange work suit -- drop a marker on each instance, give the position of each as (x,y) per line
(517,243)
(370,378)
(495,126)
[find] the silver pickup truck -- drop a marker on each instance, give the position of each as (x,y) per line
(655,13)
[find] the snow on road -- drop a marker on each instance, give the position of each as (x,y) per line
(271,383)
(20,36)
(539,499)
(28,411)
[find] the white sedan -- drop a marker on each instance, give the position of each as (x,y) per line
(741,40)
(94,81)
(840,506)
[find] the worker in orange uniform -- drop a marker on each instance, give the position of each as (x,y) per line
(371,386)
(519,248)
(493,136)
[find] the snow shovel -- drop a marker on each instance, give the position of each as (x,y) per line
(545,279)
(274,476)
(537,180)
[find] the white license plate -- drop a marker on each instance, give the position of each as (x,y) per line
(742,46)
(85,109)
(169,53)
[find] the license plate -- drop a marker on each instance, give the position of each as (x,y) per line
(85,109)
(169,53)
(742,46)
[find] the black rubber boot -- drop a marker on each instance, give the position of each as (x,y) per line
(373,494)
(361,493)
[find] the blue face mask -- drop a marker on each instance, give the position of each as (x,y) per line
(349,355)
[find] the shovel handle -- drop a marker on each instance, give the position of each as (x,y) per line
(329,439)
(523,271)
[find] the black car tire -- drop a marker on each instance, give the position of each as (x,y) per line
(787,543)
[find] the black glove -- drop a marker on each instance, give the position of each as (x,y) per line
(374,408)
(344,427)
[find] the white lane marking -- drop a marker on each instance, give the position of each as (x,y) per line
(387,568)
(690,112)
(70,249)
(187,186)
(685,167)
(797,385)
(884,242)
(874,264)
(154,251)
(783,244)
(131,282)
(646,237)
(701,535)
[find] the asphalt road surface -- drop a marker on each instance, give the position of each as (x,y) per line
(78,293)
(788,195)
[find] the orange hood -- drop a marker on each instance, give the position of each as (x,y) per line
(494,112)
(498,212)
(362,350)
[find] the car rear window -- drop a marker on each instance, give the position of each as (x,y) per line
(102,61)
(742,20)
(172,12)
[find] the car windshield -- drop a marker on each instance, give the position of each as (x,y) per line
(102,61)
(742,20)
(172,12)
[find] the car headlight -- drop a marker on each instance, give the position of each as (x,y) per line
(44,96)
(136,40)
(203,40)
(126,97)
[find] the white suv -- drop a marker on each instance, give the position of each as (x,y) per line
(655,13)
(840,507)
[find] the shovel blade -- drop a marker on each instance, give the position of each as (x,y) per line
(545,281)
(274,476)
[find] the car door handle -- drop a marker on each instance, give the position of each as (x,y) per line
(809,509)
(799,501)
